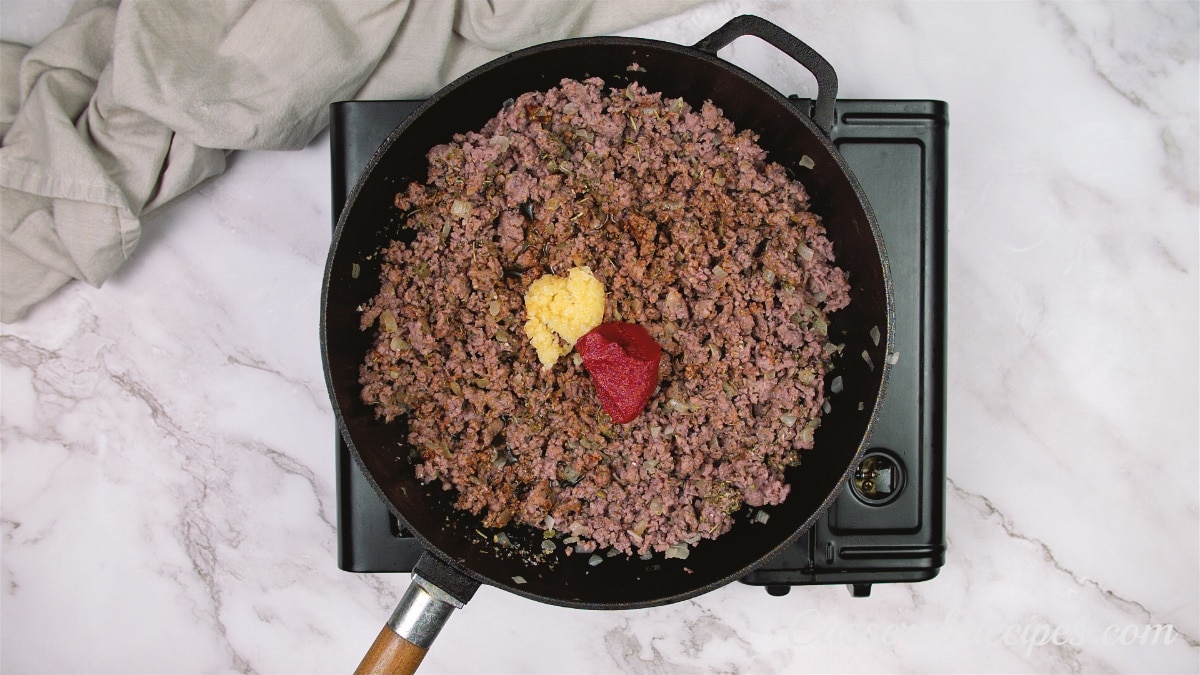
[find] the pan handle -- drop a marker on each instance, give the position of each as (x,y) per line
(436,590)
(789,44)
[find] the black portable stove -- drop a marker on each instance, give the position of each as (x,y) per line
(888,526)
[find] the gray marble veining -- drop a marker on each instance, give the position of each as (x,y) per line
(167,469)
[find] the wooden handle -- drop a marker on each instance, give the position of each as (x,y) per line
(424,607)
(392,655)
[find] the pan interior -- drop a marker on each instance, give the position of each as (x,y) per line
(370,222)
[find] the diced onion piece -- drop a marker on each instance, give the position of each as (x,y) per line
(460,209)
(761,516)
(354,270)
(519,580)
(893,358)
(501,538)
(595,560)
(806,434)
(548,546)
(825,407)
(388,320)
(805,252)
(875,335)
(807,162)
(679,551)
(501,142)
(679,406)
(719,272)
(835,386)
(867,358)
(569,475)
(789,420)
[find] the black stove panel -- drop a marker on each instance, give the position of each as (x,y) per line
(888,525)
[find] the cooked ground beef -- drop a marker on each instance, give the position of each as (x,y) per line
(695,236)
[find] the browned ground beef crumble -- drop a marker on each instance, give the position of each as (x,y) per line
(694,235)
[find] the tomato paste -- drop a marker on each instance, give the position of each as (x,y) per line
(622,360)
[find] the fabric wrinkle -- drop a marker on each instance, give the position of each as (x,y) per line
(130,105)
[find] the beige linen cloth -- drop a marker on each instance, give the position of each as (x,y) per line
(130,104)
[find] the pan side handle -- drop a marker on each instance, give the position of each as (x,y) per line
(402,644)
(746,24)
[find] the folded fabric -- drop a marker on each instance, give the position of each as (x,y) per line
(130,104)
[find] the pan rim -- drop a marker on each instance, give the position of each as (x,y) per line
(617,42)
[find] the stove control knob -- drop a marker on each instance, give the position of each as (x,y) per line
(878,478)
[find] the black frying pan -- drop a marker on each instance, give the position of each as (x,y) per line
(456,561)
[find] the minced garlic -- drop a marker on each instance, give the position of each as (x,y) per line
(561,310)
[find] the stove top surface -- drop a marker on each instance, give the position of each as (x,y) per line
(888,524)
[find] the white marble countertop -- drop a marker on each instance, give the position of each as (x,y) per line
(168,485)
